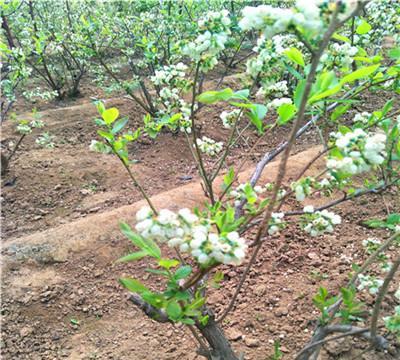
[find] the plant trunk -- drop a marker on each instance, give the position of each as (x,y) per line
(220,348)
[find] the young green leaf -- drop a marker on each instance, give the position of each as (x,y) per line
(133,285)
(182,272)
(211,97)
(119,125)
(168,263)
(286,113)
(144,244)
(363,28)
(295,55)
(110,115)
(174,310)
(134,256)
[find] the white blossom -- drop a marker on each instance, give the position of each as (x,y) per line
(192,235)
(209,146)
(320,222)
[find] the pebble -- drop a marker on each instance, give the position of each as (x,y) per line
(233,334)
(252,343)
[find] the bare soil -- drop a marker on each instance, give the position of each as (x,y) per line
(60,214)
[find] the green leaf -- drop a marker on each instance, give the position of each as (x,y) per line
(360,73)
(339,111)
(173,309)
(344,129)
(211,97)
(393,219)
(241,94)
(144,244)
(187,321)
(229,177)
(168,263)
(106,135)
(355,75)
(198,303)
(182,272)
(295,55)
(325,94)
(204,320)
(134,256)
(110,115)
(100,107)
(363,28)
(133,285)
(256,115)
(119,125)
(387,107)
(157,300)
(340,37)
(158,272)
(286,113)
(394,53)
(298,93)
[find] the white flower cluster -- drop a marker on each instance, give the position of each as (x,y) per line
(276,89)
(172,80)
(169,74)
(269,60)
(320,222)
(307,14)
(214,34)
(242,191)
(369,282)
(276,223)
(302,187)
(229,117)
(25,127)
(371,244)
(209,146)
(362,117)
(45,140)
(38,93)
(360,151)
(383,16)
(339,55)
(193,235)
(276,103)
(100,147)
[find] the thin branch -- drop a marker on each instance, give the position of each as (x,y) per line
(347,330)
(379,299)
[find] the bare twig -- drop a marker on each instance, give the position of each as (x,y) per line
(379,299)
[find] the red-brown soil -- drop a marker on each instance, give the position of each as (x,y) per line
(60,214)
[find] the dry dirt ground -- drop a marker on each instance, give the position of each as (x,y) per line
(60,214)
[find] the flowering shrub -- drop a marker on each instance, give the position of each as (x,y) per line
(308,67)
(296,68)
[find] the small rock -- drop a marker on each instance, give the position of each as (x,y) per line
(281,312)
(234,334)
(252,343)
(260,290)
(26,331)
